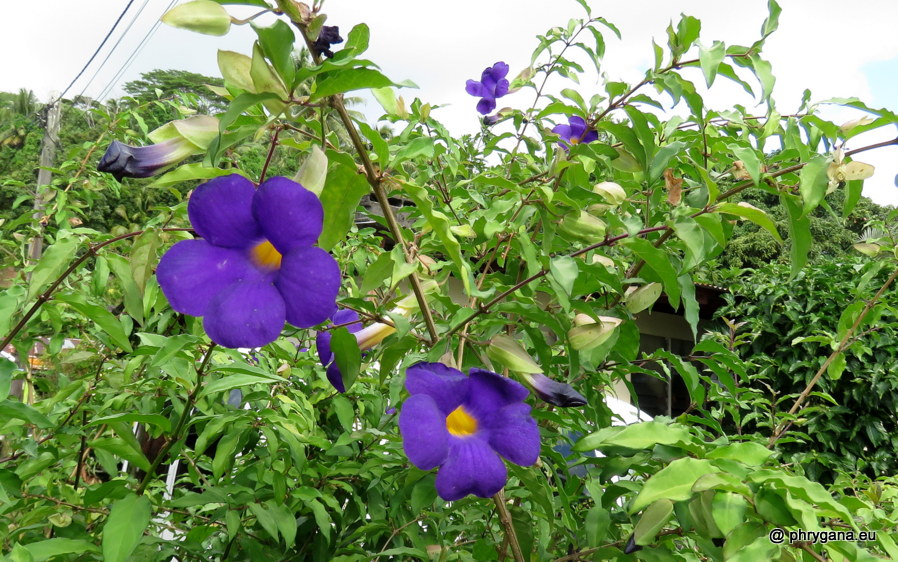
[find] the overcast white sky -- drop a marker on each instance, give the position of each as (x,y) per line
(832,47)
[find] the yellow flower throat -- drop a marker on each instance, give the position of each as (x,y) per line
(460,423)
(265,255)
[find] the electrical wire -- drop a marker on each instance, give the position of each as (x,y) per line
(114,47)
(134,54)
(93,56)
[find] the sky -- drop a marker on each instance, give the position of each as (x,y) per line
(833,48)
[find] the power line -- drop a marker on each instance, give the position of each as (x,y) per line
(114,47)
(134,54)
(93,56)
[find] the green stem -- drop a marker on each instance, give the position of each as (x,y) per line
(505,517)
(375,180)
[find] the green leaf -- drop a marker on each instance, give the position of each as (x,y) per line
(7,368)
(764,72)
(750,453)
(99,315)
(837,366)
(564,271)
(152,419)
(728,511)
(238,380)
(12,409)
(277,45)
(421,147)
(202,16)
(120,448)
(347,355)
(285,521)
(773,19)
(124,528)
(265,518)
(44,550)
(662,158)
(342,192)
(653,520)
(143,257)
(235,69)
(673,482)
(752,213)
(813,182)
(357,40)
(265,80)
(643,435)
(191,172)
(52,263)
(659,262)
(344,80)
(710,59)
(799,232)
(376,273)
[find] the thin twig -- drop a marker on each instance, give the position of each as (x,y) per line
(505,517)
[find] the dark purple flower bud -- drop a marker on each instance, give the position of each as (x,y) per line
(329,35)
(558,393)
(575,132)
(490,120)
(125,161)
(492,86)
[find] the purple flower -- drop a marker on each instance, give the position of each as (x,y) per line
(492,86)
(175,141)
(329,35)
(126,161)
(574,132)
(256,265)
(463,424)
(554,392)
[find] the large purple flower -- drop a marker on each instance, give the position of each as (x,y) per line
(575,132)
(463,424)
(256,265)
(492,86)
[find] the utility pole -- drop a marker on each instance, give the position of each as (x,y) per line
(36,246)
(44,176)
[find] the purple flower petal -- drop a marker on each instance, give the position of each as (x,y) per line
(323,347)
(344,316)
(590,137)
(424,434)
(472,467)
(335,377)
(309,280)
(486,105)
(514,434)
(447,386)
(501,88)
(290,215)
(220,212)
(192,272)
(498,71)
(246,314)
(578,126)
(563,131)
(474,88)
(488,393)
